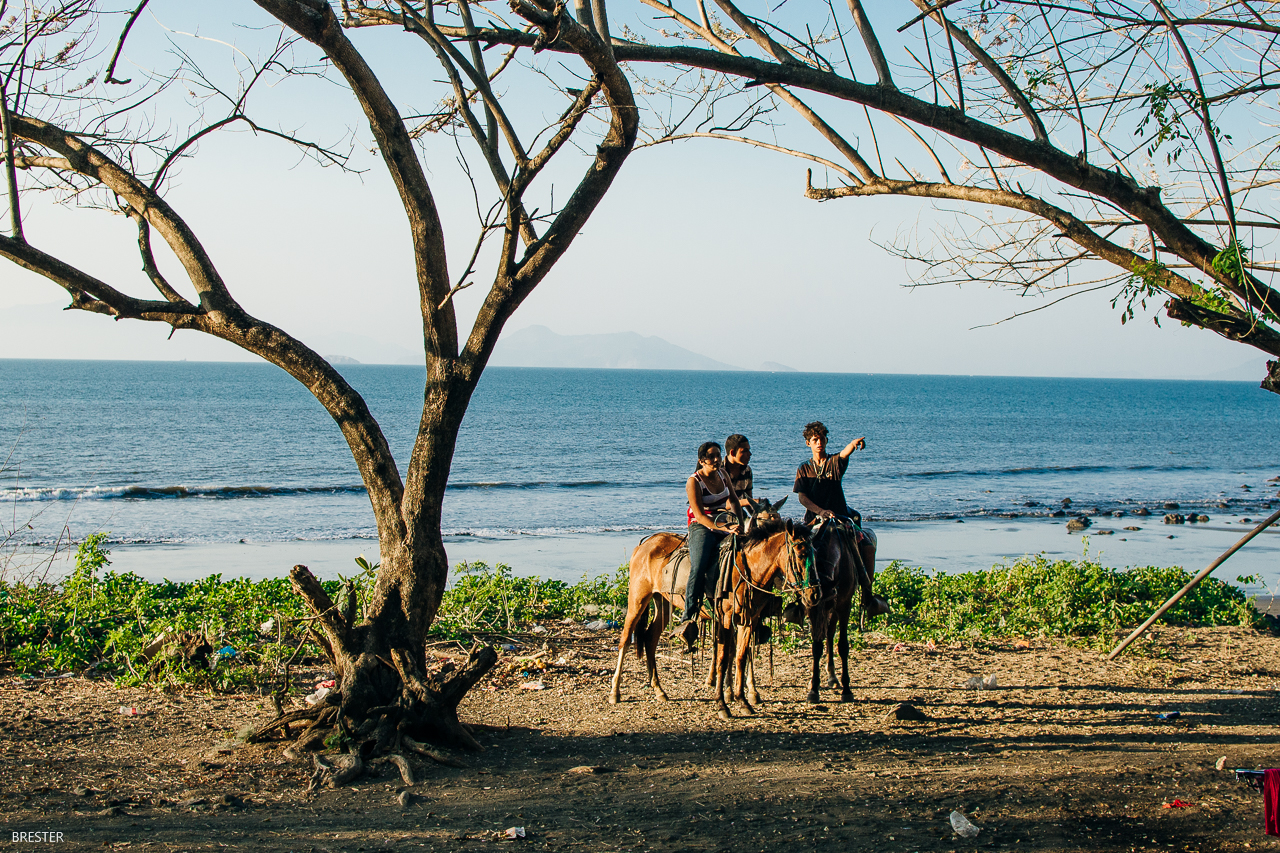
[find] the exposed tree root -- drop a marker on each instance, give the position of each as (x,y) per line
(334,771)
(385,703)
(434,755)
(402,764)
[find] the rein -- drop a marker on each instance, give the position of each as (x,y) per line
(795,567)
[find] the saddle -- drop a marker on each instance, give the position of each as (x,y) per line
(675,573)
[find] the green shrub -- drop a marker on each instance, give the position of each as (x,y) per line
(101,621)
(1039,597)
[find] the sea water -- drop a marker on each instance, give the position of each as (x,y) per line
(211,454)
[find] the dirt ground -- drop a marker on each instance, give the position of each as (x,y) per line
(1066,754)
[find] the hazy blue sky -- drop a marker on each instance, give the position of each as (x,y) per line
(708,245)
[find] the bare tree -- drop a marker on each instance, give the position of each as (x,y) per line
(113,143)
(1132,146)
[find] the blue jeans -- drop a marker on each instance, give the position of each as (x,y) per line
(704,547)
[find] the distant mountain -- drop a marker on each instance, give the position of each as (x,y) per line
(340,359)
(1253,370)
(775,367)
(538,346)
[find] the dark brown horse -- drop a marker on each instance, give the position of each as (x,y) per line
(838,557)
(772,550)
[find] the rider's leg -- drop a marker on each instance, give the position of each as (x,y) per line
(702,550)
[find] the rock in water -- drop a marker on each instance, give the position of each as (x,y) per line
(1142,510)
(1075,525)
(1174,518)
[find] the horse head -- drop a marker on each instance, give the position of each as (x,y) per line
(763,512)
(799,566)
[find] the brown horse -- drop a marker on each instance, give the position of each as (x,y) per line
(838,556)
(773,549)
(739,615)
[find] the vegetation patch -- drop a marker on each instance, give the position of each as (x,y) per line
(1038,597)
(251,633)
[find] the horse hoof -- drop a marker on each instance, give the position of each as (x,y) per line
(724,714)
(748,710)
(615,698)
(661,696)
(831,682)
(846,696)
(812,698)
(754,699)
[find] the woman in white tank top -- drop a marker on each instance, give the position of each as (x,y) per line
(710,493)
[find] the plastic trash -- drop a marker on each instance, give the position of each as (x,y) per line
(127,711)
(613,624)
(514,832)
(1220,763)
(267,628)
(533,685)
(962,826)
(509,647)
(598,625)
(1178,804)
(318,696)
(328,682)
(226,652)
(978,682)
(1168,716)
(990,683)
(974,683)
(538,629)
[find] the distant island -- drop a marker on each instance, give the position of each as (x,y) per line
(538,346)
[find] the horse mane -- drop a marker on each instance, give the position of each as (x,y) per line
(764,529)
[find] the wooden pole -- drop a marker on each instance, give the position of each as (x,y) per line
(1177,596)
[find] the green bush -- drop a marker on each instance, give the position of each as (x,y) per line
(1039,597)
(485,599)
(101,621)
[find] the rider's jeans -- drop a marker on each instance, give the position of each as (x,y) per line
(704,545)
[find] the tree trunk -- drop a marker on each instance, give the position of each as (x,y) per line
(387,697)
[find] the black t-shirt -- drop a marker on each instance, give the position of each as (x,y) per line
(821,483)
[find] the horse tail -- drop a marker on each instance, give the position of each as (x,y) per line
(642,628)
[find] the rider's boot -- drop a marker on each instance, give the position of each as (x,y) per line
(876,606)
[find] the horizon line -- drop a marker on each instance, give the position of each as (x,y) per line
(354,363)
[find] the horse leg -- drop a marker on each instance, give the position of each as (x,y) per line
(740,665)
(634,610)
(721,654)
(661,616)
(831,653)
(752,694)
(846,695)
(818,631)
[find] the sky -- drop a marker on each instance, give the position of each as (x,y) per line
(709,245)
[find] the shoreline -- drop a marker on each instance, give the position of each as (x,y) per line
(947,546)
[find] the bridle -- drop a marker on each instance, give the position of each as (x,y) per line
(799,563)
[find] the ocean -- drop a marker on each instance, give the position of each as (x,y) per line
(179,457)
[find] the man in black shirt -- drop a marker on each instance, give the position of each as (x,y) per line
(819,485)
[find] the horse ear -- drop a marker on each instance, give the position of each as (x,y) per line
(779,504)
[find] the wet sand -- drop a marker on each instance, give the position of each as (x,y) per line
(944,545)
